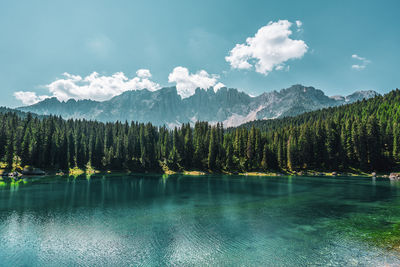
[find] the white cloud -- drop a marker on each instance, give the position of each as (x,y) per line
(358,57)
(357,67)
(143,73)
(283,67)
(299,24)
(269,49)
(218,86)
(186,83)
(29,98)
(93,86)
(362,65)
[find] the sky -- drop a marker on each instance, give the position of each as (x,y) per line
(98,49)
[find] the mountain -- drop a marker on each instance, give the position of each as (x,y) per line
(19,113)
(165,106)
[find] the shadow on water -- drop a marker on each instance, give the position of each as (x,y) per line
(186,220)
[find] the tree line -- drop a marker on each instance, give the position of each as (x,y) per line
(363,136)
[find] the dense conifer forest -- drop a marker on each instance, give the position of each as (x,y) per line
(360,136)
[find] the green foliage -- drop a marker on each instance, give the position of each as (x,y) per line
(363,136)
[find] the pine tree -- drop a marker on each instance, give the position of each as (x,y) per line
(264,161)
(63,155)
(229,166)
(373,143)
(212,150)
(9,157)
(396,141)
(25,152)
(188,144)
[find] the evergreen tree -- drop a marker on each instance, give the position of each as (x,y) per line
(264,161)
(212,150)
(364,135)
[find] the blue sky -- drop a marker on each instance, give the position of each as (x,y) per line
(41,40)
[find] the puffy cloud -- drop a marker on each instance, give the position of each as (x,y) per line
(299,23)
(363,64)
(186,83)
(218,86)
(29,98)
(143,73)
(269,49)
(93,86)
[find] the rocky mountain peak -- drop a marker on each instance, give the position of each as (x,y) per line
(165,106)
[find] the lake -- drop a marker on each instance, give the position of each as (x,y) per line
(151,220)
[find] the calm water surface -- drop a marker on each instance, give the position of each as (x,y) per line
(148,220)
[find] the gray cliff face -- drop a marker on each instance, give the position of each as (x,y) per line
(293,101)
(165,106)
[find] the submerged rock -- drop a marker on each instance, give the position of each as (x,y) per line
(14,174)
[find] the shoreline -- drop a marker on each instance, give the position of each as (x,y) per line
(89,172)
(163,169)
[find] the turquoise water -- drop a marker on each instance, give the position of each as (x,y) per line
(148,220)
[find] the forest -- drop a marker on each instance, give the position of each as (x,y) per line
(363,136)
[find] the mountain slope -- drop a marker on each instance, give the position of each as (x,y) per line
(21,114)
(165,106)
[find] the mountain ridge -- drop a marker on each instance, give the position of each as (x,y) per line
(166,107)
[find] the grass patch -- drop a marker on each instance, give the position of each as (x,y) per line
(262,174)
(75,171)
(165,168)
(195,173)
(89,171)
(254,174)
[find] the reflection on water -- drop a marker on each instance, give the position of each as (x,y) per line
(180,220)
